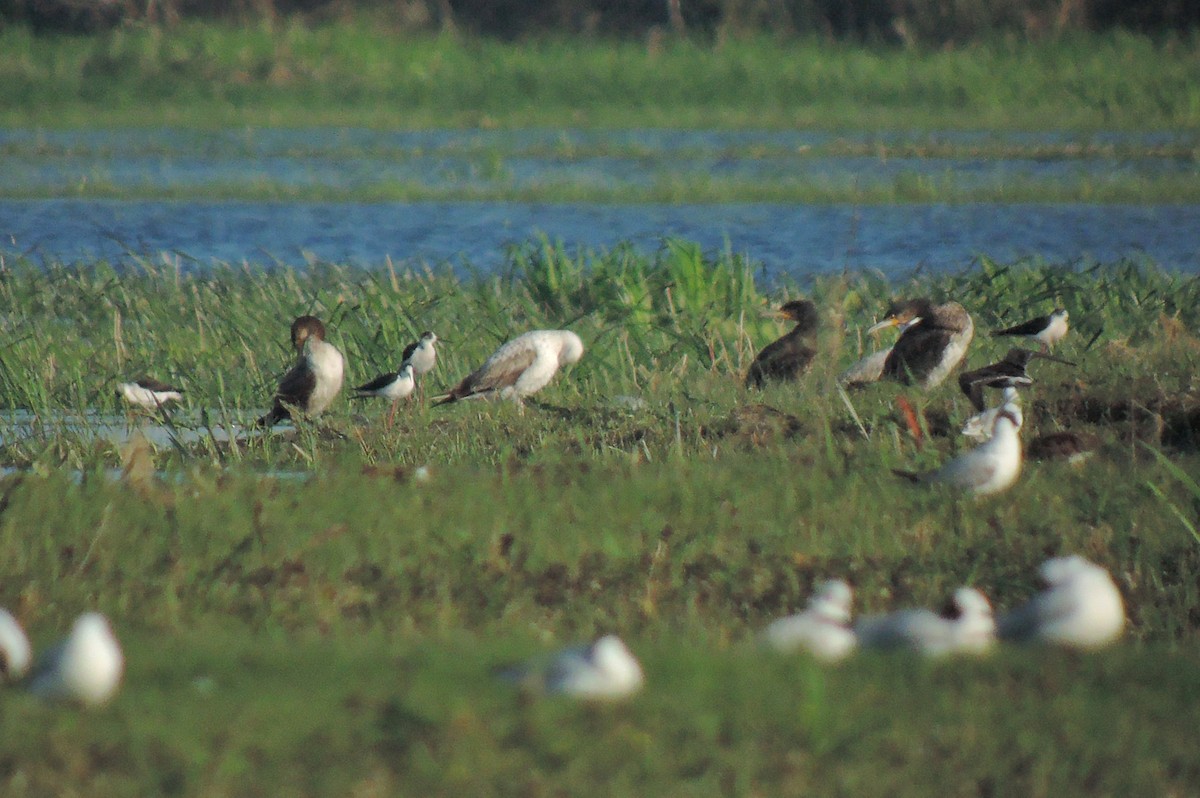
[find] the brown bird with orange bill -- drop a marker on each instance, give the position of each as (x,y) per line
(790,356)
(934,341)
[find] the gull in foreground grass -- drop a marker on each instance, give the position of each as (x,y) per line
(15,652)
(821,629)
(86,667)
(971,630)
(979,426)
(149,393)
(519,368)
(989,468)
(605,669)
(1080,607)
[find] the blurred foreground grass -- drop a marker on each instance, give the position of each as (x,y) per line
(303,616)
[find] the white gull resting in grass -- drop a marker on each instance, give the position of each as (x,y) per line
(149,393)
(86,667)
(988,468)
(821,629)
(311,385)
(1080,607)
(15,652)
(520,368)
(604,669)
(972,630)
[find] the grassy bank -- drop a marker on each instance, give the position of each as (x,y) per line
(908,187)
(333,633)
(631,166)
(354,75)
(675,327)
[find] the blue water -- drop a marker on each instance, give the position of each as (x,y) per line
(472,236)
(786,239)
(37,162)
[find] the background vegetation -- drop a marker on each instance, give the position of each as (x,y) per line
(906,21)
(359,74)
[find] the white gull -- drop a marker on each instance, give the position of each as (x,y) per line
(85,667)
(821,629)
(971,631)
(1080,607)
(521,367)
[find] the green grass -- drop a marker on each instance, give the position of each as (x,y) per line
(211,76)
(694,188)
(334,634)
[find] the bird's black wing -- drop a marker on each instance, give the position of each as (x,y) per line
(917,353)
(1031,327)
(973,388)
(380,382)
(294,390)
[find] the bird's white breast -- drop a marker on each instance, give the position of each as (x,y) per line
(398,388)
(1054,332)
(607,669)
(989,468)
(328,366)
(952,355)
(423,358)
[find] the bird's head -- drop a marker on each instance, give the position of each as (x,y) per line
(571,349)
(832,600)
(803,312)
(306,327)
(904,313)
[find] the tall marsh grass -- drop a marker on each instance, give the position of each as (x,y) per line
(676,327)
